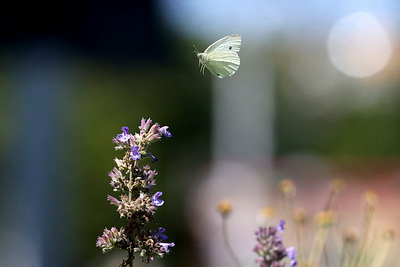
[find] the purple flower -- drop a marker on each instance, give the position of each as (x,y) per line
(270,249)
(124,136)
(166,246)
(135,155)
(156,201)
(160,235)
(291,253)
(133,181)
(163,130)
(125,130)
(281,225)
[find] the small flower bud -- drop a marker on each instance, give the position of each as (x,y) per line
(144,124)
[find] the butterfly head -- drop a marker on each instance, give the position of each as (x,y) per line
(202,57)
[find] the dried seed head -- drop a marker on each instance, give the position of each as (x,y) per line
(337,185)
(300,216)
(388,233)
(268,212)
(287,187)
(325,218)
(370,199)
(224,207)
(350,235)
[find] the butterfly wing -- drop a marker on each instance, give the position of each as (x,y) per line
(221,57)
(228,43)
(223,63)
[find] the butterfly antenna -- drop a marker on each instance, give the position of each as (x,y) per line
(195,49)
(193,52)
(200,65)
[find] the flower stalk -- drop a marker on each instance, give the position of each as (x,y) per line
(136,203)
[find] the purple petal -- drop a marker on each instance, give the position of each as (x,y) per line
(125,130)
(160,234)
(291,253)
(113,200)
(155,199)
(145,124)
(164,131)
(123,137)
(281,225)
(135,155)
(166,246)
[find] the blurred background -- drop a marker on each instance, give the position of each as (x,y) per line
(316,97)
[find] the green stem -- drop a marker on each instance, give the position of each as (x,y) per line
(130,189)
(130,259)
(227,243)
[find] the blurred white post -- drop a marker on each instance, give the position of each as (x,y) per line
(244,109)
(243,116)
(35,224)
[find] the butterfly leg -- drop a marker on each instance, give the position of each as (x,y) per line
(202,68)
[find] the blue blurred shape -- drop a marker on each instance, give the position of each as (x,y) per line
(34,221)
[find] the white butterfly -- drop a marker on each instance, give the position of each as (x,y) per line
(221,58)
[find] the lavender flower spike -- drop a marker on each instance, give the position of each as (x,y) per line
(270,249)
(133,180)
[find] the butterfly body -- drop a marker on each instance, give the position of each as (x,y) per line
(221,58)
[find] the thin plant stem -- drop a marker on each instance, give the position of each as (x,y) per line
(344,259)
(298,229)
(130,258)
(318,245)
(326,256)
(363,243)
(227,244)
(330,201)
(382,250)
(130,182)
(288,207)
(289,215)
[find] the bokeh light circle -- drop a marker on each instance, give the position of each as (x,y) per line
(358,45)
